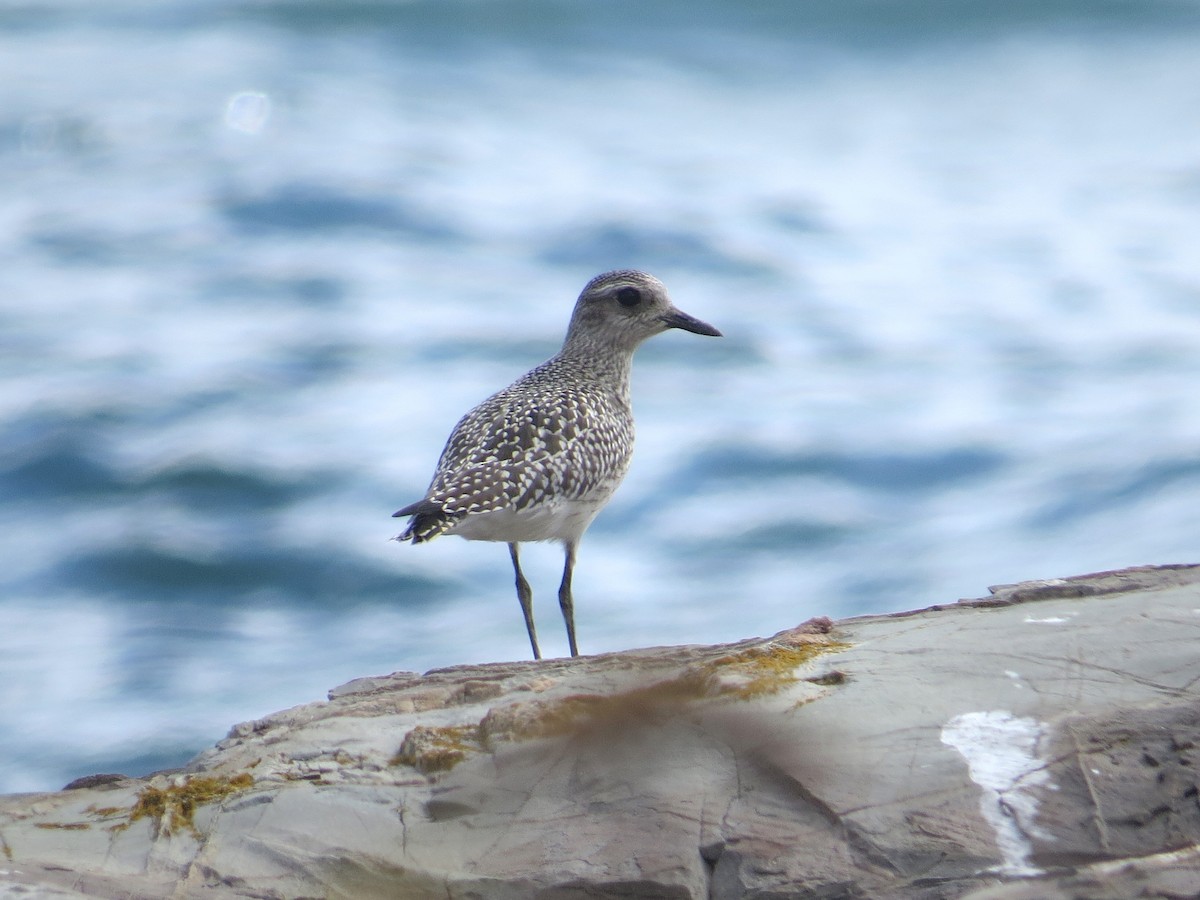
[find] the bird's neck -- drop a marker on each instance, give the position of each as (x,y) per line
(596,362)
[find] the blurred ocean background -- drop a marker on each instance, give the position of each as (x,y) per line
(256,258)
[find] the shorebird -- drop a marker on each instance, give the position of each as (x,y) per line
(538,460)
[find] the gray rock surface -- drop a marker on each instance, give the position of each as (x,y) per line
(1040,743)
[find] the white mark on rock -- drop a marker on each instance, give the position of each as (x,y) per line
(1000,752)
(1049,620)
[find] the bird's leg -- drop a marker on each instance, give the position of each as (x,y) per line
(525,595)
(564,595)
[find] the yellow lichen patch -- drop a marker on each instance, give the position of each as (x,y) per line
(552,718)
(105,812)
(767,668)
(741,675)
(430,749)
(175,807)
(64,826)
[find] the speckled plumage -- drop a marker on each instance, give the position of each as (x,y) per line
(561,435)
(537,460)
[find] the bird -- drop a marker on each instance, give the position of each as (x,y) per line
(538,460)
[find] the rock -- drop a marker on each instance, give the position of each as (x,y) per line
(1040,743)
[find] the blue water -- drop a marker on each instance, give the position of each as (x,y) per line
(257,258)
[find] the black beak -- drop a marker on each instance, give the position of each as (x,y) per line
(677,319)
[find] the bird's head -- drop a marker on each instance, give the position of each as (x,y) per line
(623,308)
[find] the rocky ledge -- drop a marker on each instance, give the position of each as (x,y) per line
(1040,743)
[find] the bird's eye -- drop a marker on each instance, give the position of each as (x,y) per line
(629,296)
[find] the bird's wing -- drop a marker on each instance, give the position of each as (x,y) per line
(519,447)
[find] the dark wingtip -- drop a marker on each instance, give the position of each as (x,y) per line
(427,523)
(420,508)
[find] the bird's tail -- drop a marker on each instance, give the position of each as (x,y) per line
(428,521)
